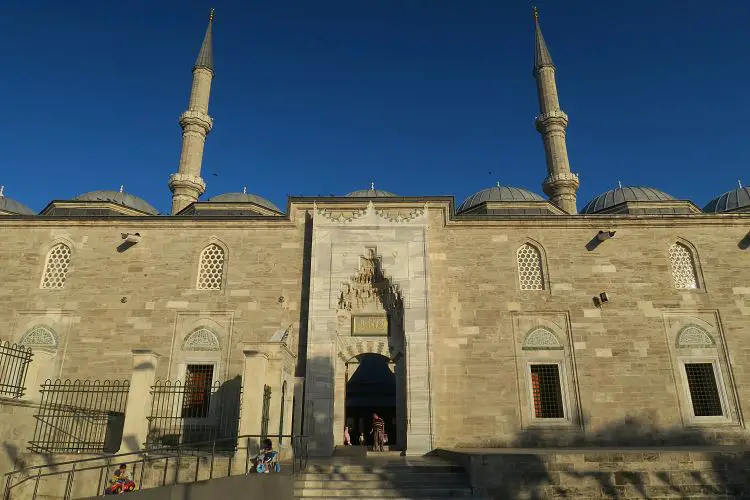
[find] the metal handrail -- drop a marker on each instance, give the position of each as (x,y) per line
(187,450)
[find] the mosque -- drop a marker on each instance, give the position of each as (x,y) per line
(508,315)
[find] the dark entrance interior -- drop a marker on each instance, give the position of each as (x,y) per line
(371,389)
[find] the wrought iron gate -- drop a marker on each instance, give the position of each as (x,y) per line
(80,416)
(196,414)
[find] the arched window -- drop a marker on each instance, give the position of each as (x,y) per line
(530,275)
(201,339)
(683,267)
(211,268)
(56,267)
(39,336)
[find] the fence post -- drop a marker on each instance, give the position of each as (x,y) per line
(37,372)
(253,381)
(138,407)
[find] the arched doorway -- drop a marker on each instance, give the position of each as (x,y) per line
(371,387)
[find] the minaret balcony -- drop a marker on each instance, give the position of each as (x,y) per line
(192,117)
(553,117)
(561,181)
(192,182)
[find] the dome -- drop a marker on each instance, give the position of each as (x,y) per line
(244,198)
(621,195)
(370,193)
(120,198)
(736,199)
(499,193)
(12,206)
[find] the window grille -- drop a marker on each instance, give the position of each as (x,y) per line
(546,390)
(265,415)
(56,267)
(211,268)
(704,393)
(530,268)
(683,267)
(198,382)
(281,415)
(40,337)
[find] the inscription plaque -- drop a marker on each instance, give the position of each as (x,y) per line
(370,324)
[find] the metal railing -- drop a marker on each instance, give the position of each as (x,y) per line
(80,416)
(190,415)
(152,469)
(14,363)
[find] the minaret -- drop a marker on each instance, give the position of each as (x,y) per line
(561,184)
(187,185)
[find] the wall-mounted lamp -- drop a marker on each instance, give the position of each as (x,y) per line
(605,235)
(600,299)
(131,238)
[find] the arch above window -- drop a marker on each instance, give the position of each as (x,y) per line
(530,267)
(211,268)
(201,339)
(682,262)
(39,337)
(56,267)
(541,339)
(694,336)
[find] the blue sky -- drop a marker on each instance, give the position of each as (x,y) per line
(319,97)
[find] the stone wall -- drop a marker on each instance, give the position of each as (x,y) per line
(117,299)
(614,473)
(17,423)
(620,359)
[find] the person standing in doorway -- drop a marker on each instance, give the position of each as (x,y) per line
(378,432)
(347,437)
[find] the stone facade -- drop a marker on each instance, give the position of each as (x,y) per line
(463,331)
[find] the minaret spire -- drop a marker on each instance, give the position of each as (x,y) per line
(561,184)
(187,185)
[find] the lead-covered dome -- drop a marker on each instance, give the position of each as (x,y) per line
(120,198)
(11,206)
(737,200)
(244,198)
(370,193)
(620,195)
(499,193)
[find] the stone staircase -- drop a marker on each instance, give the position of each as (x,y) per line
(382,476)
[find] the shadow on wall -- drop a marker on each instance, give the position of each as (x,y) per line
(317,413)
(633,458)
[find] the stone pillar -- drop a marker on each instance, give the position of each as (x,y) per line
(339,401)
(135,429)
(37,372)
(253,380)
(419,404)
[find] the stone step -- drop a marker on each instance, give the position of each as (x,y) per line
(418,497)
(420,477)
(374,467)
(386,493)
(380,483)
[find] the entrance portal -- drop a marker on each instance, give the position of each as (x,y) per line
(371,388)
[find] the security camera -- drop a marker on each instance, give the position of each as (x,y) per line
(131,237)
(605,235)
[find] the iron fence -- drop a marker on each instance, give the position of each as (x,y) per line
(14,363)
(190,414)
(80,416)
(150,470)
